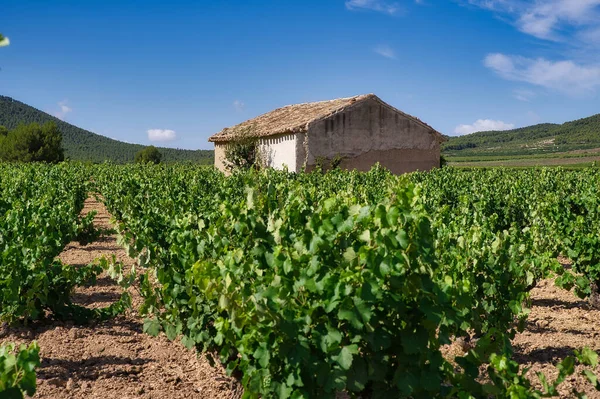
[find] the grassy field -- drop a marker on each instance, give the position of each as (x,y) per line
(569,159)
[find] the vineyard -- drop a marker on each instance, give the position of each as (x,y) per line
(311,285)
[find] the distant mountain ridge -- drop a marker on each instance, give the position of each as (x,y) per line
(542,138)
(83,145)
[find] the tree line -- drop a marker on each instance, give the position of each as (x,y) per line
(83,145)
(43,143)
(581,133)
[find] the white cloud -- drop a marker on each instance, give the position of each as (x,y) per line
(383,6)
(544,19)
(239,105)
(524,94)
(575,24)
(564,76)
(552,20)
(483,125)
(385,51)
(64,110)
(161,135)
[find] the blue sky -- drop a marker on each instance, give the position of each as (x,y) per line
(172,73)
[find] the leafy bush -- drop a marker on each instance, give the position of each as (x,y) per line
(148,155)
(311,303)
(17,371)
(244,152)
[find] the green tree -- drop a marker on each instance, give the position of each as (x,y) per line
(148,155)
(32,143)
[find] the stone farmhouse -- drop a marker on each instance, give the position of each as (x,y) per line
(357,131)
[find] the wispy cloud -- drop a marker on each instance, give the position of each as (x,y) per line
(483,125)
(555,20)
(64,110)
(524,94)
(385,51)
(383,6)
(239,105)
(574,24)
(563,76)
(161,135)
(497,5)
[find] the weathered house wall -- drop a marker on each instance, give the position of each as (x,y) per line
(371,132)
(220,156)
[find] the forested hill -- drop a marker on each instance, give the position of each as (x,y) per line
(82,145)
(580,134)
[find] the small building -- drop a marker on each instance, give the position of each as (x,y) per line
(357,131)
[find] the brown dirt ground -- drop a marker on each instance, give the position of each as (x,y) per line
(115,359)
(558,324)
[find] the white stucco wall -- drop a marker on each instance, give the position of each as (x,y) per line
(280,150)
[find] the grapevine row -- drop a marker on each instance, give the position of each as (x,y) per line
(309,284)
